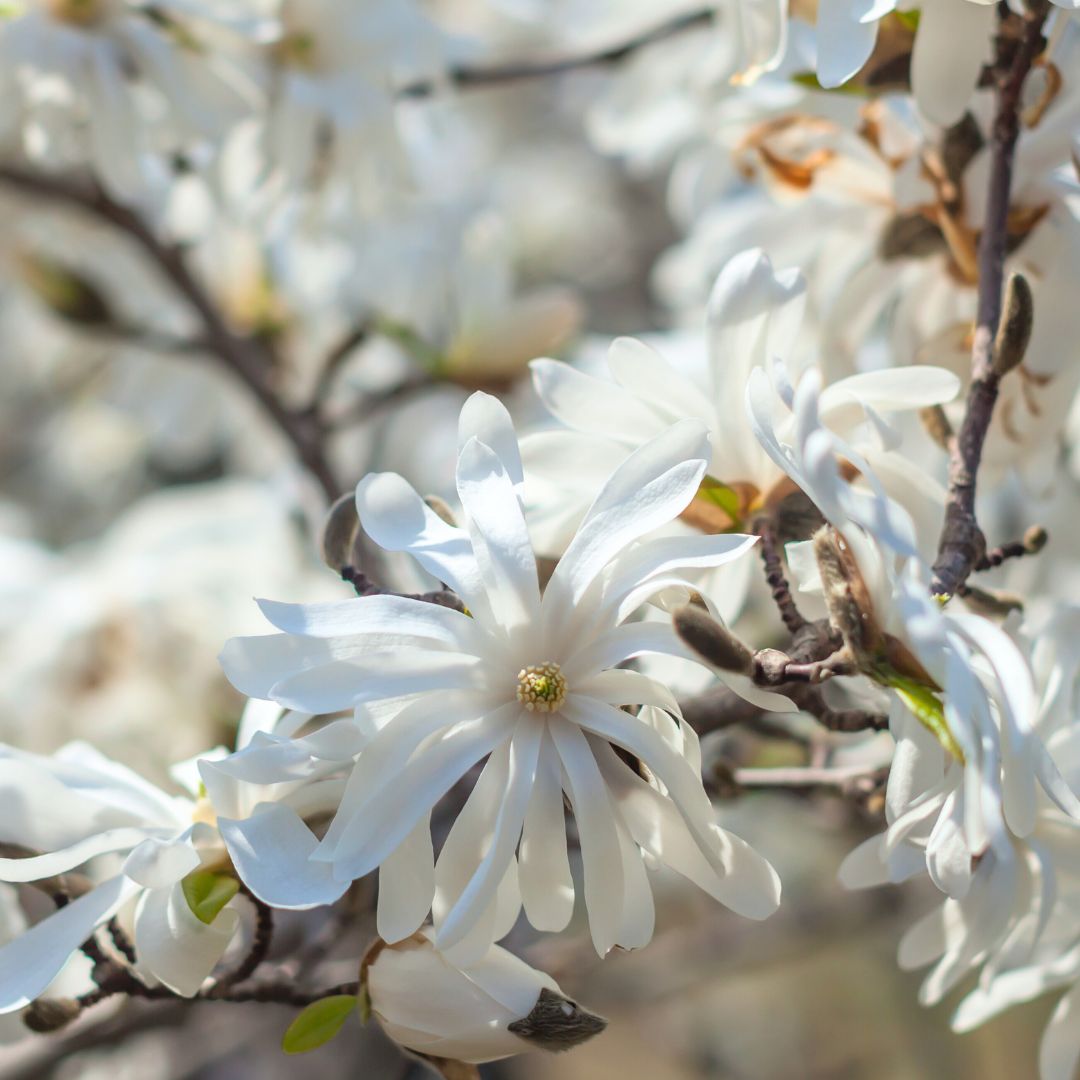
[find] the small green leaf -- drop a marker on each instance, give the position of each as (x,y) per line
(909,19)
(318,1023)
(718,494)
(927,707)
(207,893)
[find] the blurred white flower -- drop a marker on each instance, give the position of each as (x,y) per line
(77,70)
(754,315)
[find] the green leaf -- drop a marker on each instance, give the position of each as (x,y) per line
(207,893)
(909,19)
(318,1023)
(927,707)
(718,494)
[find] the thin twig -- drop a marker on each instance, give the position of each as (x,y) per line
(344,348)
(775,576)
(250,359)
(261,938)
(804,777)
(500,75)
(962,543)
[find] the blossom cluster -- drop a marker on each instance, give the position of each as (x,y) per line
(489,717)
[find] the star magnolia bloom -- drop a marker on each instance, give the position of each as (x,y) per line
(491,1009)
(754,315)
(957,793)
(79,806)
(528,680)
(138,845)
(1019,922)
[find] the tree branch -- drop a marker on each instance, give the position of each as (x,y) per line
(962,543)
(500,75)
(250,359)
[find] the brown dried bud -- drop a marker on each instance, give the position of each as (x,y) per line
(937,425)
(1035,539)
(712,640)
(557,1023)
(851,611)
(1014,330)
(339,533)
(50,1014)
(65,292)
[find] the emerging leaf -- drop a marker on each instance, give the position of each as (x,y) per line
(207,893)
(318,1023)
(927,707)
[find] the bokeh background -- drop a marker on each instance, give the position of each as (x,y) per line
(145,500)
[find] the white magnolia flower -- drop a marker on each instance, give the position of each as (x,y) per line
(754,315)
(79,807)
(490,1009)
(528,680)
(77,68)
(333,74)
(1019,923)
(969,762)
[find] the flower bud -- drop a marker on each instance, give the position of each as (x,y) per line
(50,1014)
(65,292)
(490,1010)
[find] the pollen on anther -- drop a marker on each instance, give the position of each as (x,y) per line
(541,687)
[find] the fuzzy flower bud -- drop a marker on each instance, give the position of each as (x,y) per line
(492,1009)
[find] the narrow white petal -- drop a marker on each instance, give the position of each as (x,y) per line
(600,851)
(176,947)
(369,838)
(397,519)
(406,884)
(478,893)
(547,886)
(650,488)
(952,44)
(271,851)
(385,756)
(669,767)
(500,538)
(57,862)
(484,417)
(595,406)
(30,962)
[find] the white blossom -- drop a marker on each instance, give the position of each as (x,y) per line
(528,680)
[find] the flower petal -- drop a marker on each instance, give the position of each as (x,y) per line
(406,884)
(30,962)
(397,519)
(547,886)
(173,945)
(271,851)
(600,851)
(500,539)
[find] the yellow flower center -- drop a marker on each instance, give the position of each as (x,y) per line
(79,12)
(541,687)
